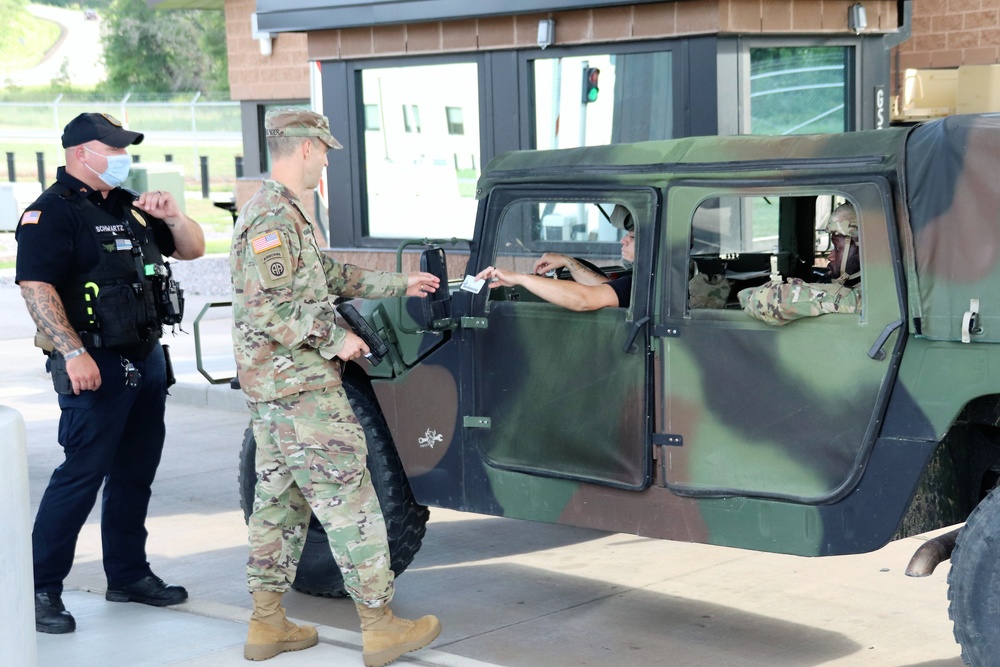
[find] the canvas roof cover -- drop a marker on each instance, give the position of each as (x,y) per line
(952,180)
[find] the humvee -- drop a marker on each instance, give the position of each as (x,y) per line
(830,435)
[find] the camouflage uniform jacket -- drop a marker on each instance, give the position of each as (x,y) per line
(779,303)
(284,331)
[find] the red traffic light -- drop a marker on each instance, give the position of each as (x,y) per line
(590,89)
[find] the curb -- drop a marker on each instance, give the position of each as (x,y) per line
(204,395)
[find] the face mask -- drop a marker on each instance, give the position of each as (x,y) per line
(117,171)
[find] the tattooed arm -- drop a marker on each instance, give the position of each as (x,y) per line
(49,314)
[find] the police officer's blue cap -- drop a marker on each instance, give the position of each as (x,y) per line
(98,127)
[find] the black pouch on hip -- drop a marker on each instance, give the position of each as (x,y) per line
(171,380)
(56,365)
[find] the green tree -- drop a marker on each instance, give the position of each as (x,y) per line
(163,51)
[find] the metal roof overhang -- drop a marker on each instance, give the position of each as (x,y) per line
(308,15)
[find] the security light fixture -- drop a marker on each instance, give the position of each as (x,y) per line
(546,32)
(856,18)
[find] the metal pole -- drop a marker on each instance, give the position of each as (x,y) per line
(135,158)
(55,111)
(15,549)
(583,114)
(204,176)
(11,174)
(168,158)
(239,166)
(556,102)
(124,118)
(40,158)
(194,136)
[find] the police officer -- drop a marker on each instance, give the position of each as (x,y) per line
(91,271)
(311,448)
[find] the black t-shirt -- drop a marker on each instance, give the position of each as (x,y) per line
(52,247)
(623,288)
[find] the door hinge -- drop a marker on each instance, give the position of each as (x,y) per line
(668,440)
(476,422)
(666,331)
(475,322)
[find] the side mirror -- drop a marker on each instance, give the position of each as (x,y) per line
(436,307)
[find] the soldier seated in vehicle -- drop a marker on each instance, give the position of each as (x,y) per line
(838,290)
(588,290)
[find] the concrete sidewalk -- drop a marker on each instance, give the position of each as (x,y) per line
(205,630)
(510,593)
(196,633)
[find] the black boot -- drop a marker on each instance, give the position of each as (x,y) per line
(51,616)
(149,590)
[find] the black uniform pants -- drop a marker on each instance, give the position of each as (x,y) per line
(112,436)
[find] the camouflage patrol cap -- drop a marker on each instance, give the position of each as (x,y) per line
(297,122)
(843,221)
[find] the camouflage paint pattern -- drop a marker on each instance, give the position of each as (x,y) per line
(810,439)
(311,457)
(782,302)
(311,450)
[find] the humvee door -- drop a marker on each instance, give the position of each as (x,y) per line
(562,396)
(751,409)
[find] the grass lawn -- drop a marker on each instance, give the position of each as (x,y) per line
(221,161)
(24,40)
(217,223)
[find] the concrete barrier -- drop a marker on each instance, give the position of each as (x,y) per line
(17,605)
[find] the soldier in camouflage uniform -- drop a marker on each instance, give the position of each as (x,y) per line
(311,449)
(779,303)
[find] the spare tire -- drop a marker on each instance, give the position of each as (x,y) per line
(405,519)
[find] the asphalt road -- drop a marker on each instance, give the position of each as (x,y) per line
(510,593)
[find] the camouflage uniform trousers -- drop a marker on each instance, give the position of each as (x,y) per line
(311,455)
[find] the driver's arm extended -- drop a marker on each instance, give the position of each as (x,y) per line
(551,261)
(567,294)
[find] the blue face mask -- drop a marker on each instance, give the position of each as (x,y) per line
(117,171)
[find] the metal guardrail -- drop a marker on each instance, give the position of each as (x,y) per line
(197,343)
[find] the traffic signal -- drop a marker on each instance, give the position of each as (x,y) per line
(590,88)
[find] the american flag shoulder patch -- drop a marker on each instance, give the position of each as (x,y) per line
(30,217)
(265,242)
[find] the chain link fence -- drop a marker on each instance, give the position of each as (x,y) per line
(194,132)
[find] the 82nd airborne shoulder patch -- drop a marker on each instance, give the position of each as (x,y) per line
(270,254)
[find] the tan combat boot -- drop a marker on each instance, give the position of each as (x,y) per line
(386,637)
(271,633)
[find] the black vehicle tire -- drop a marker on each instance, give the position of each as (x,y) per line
(974,584)
(405,519)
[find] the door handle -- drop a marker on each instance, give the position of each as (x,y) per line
(628,348)
(876,352)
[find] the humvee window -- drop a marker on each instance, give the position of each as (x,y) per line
(740,241)
(581,229)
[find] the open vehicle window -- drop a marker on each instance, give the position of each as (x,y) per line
(581,229)
(745,239)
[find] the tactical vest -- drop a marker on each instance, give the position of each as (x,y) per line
(114,304)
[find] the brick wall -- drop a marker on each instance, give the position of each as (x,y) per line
(282,75)
(950,33)
(652,21)
(285,74)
